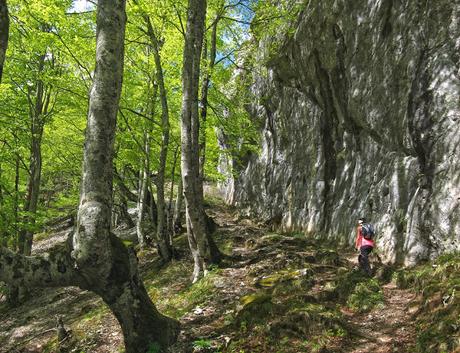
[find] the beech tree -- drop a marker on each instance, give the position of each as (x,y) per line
(162,227)
(94,258)
(204,250)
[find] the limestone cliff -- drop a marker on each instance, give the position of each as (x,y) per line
(360,116)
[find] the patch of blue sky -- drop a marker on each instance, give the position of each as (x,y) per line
(242,14)
(82,6)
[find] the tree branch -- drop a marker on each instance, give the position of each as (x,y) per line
(54,269)
(75,58)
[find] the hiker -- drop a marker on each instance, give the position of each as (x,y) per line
(365,244)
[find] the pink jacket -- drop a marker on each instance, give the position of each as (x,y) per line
(361,241)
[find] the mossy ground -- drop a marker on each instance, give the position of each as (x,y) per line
(274,293)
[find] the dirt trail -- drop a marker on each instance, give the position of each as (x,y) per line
(390,329)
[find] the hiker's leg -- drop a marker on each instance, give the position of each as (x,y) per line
(368,262)
(364,259)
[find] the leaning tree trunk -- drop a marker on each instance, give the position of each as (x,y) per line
(199,240)
(4,30)
(107,266)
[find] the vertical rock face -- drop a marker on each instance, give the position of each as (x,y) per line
(360,111)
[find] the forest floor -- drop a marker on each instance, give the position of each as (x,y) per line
(274,292)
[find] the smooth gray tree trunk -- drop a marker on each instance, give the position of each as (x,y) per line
(146,201)
(108,267)
(199,240)
(177,219)
(170,213)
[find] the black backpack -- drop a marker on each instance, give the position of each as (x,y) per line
(367,230)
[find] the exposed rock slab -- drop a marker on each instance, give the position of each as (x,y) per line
(360,116)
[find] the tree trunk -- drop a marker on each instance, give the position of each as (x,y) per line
(125,217)
(170,213)
(33,190)
(107,266)
(4,31)
(192,183)
(152,206)
(16,200)
(204,92)
(177,220)
(164,246)
(13,291)
(144,181)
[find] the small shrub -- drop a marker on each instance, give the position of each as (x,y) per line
(202,343)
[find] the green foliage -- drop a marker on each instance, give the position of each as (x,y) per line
(347,282)
(366,296)
(274,20)
(50,48)
(202,343)
(189,298)
(53,30)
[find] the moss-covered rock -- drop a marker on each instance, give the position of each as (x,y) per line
(272,280)
(254,308)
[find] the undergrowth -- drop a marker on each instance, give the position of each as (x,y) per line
(438,319)
(366,296)
(188,297)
